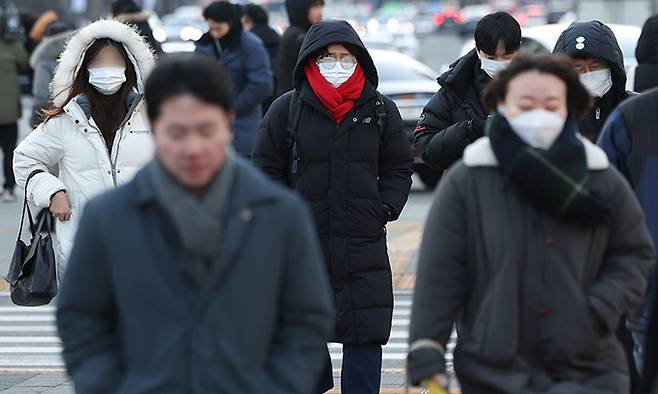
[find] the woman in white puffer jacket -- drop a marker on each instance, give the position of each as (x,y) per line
(97,131)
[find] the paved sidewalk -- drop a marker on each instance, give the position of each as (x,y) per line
(23,381)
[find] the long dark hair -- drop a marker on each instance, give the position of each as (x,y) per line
(107,111)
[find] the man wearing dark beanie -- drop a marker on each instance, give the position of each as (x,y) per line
(129,12)
(244,57)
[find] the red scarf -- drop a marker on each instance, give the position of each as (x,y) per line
(338,101)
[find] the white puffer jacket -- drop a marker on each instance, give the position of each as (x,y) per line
(75,143)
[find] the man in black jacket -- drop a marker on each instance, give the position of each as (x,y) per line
(455,116)
(598,59)
(256,21)
(301,14)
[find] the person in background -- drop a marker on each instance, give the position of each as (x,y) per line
(256,21)
(13,61)
(244,57)
(301,15)
(646,53)
(349,158)
(599,61)
(237,298)
(40,26)
(537,304)
(96,131)
(43,61)
(630,140)
(128,11)
(455,116)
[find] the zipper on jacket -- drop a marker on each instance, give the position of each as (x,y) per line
(598,113)
(129,114)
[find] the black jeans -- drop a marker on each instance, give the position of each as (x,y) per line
(8,137)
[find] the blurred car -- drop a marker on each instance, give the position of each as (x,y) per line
(179,31)
(410,84)
(532,15)
(400,41)
(448,18)
(471,15)
(542,39)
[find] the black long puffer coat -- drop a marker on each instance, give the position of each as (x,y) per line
(348,177)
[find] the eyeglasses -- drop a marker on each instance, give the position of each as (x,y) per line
(329,62)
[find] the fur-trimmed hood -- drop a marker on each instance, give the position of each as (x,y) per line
(139,52)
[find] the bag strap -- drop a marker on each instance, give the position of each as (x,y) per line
(26,207)
(42,221)
(382,116)
(294,114)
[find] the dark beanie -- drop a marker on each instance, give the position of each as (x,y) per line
(223,11)
(125,7)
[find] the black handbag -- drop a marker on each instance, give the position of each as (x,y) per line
(32,274)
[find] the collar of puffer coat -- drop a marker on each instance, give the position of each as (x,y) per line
(481,154)
(138,50)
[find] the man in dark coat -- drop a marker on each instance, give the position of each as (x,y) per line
(199,276)
(356,175)
(646,53)
(629,139)
(301,15)
(256,21)
(127,11)
(455,117)
(598,59)
(244,57)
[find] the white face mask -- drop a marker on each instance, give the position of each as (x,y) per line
(538,128)
(336,76)
(107,80)
(492,67)
(598,82)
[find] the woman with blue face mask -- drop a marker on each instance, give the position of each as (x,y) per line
(535,248)
(96,132)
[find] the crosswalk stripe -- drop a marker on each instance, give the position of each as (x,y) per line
(28,337)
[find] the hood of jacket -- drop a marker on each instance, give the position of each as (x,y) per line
(50,48)
(461,75)
(325,33)
(298,12)
(139,52)
(595,39)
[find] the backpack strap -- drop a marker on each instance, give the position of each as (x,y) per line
(382,116)
(294,114)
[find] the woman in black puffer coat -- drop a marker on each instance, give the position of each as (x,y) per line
(356,177)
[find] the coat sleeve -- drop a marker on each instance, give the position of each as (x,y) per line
(439,140)
(619,289)
(441,279)
(306,320)
(270,150)
(43,148)
(21,57)
(395,163)
(40,91)
(615,141)
(86,312)
(259,80)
